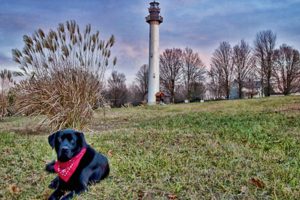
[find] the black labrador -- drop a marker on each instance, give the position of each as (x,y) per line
(77,165)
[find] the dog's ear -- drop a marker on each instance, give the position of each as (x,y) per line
(81,140)
(51,139)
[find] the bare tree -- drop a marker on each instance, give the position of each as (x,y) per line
(264,49)
(243,63)
(171,63)
(134,96)
(216,82)
(117,90)
(221,72)
(180,94)
(65,70)
(141,88)
(198,91)
(287,69)
(252,84)
(193,70)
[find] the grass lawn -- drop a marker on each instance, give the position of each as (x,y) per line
(246,149)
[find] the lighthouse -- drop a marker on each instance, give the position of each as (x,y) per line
(154,20)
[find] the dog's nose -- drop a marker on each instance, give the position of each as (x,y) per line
(64,148)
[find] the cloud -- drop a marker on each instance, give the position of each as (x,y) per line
(4,59)
(133,50)
(131,55)
(199,24)
(7,63)
(13,22)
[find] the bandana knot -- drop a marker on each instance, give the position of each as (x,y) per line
(66,169)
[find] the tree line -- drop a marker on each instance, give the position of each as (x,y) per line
(64,69)
(276,70)
(260,68)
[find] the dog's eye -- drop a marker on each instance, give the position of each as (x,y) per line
(59,139)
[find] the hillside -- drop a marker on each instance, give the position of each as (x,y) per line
(242,149)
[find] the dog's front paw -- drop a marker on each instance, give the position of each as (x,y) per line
(68,196)
(56,195)
(50,167)
(54,183)
(52,198)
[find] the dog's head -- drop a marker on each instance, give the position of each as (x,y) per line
(67,143)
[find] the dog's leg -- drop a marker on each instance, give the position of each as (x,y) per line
(99,174)
(83,181)
(54,183)
(82,187)
(72,194)
(95,177)
(56,195)
(106,171)
(50,167)
(68,196)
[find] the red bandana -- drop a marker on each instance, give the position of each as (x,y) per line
(66,169)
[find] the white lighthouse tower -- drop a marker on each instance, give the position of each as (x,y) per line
(154,19)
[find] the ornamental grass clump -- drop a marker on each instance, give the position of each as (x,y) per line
(64,72)
(6,83)
(3,106)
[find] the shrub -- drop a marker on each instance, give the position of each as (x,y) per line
(65,71)
(3,106)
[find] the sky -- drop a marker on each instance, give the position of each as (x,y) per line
(198,24)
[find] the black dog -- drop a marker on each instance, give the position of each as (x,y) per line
(77,165)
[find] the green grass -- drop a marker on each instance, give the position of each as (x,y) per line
(211,150)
